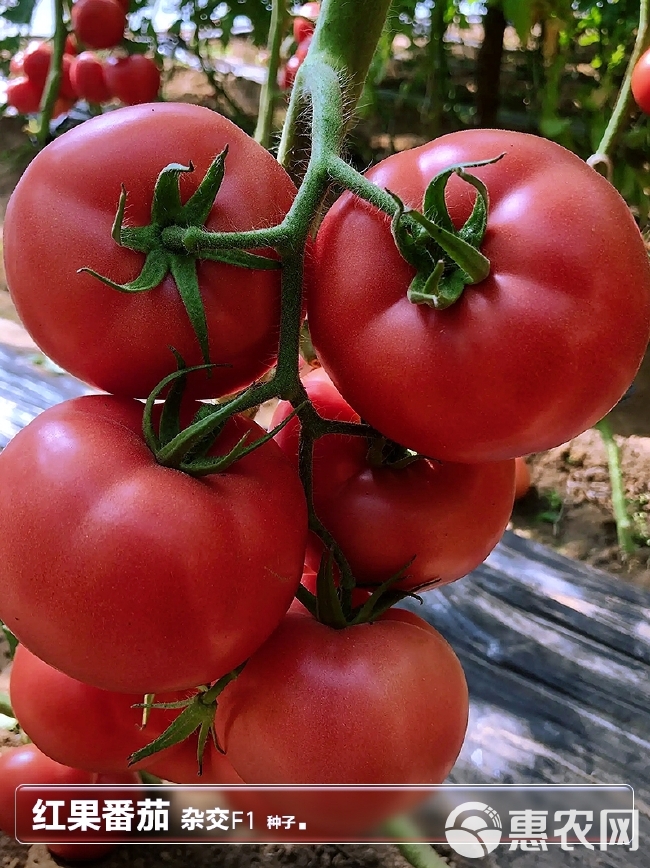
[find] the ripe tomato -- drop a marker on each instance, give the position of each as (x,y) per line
(88,79)
(23,95)
(287,73)
(449,516)
(144,579)
(98,23)
(71,46)
(522,478)
(304,22)
(120,342)
(535,353)
(16,63)
(381,703)
(641,82)
(134,79)
(79,725)
(303,48)
(27,765)
(36,65)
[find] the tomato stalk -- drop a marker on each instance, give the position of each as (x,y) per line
(624,526)
(600,160)
(269,92)
(54,76)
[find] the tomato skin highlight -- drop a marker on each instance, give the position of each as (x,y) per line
(381,703)
(448,516)
(144,579)
(302,27)
(134,79)
(79,725)
(120,342)
(516,365)
(641,82)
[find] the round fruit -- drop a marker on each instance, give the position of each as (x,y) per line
(134,79)
(98,23)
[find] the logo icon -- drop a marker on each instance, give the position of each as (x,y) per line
(473,830)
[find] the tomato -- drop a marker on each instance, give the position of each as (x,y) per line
(143,579)
(16,63)
(120,342)
(71,46)
(88,79)
(27,765)
(79,725)
(303,23)
(36,65)
(303,48)
(528,358)
(288,72)
(522,478)
(180,765)
(641,82)
(449,516)
(98,23)
(134,79)
(23,95)
(381,703)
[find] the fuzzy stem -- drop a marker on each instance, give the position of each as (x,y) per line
(53,83)
(269,92)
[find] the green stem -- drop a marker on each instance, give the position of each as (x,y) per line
(268,96)
(5,705)
(624,100)
(53,83)
(624,526)
(418,855)
(346,37)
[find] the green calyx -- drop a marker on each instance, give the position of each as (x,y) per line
(383,452)
(162,241)
(446,259)
(330,603)
(187,449)
(197,713)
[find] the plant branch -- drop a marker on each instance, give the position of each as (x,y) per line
(624,99)
(624,526)
(54,75)
(268,96)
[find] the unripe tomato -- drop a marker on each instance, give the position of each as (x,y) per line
(134,79)
(88,79)
(641,82)
(99,23)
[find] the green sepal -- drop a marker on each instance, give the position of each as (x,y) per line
(183,270)
(197,208)
(383,598)
(445,259)
(328,601)
(166,207)
(154,271)
(170,416)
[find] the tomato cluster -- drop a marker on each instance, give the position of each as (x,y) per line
(98,24)
(158,548)
(304,25)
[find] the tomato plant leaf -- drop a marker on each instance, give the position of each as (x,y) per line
(183,270)
(166,208)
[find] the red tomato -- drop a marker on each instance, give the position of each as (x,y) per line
(23,95)
(180,765)
(36,62)
(641,82)
(528,358)
(288,72)
(71,46)
(27,765)
(304,22)
(36,65)
(134,79)
(88,79)
(449,516)
(16,63)
(522,478)
(144,579)
(381,703)
(303,48)
(79,725)
(120,342)
(98,23)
